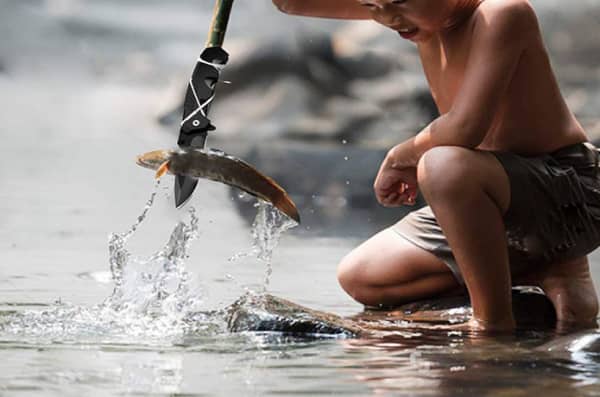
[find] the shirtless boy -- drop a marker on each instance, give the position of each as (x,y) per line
(512,186)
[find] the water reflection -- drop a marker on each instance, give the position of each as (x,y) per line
(437,364)
(156,373)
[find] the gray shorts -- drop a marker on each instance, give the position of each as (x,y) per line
(554,212)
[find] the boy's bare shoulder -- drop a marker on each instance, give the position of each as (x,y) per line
(515,18)
(507,8)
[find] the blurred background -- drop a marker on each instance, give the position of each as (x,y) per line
(87,85)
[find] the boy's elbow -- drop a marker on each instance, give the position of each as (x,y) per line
(472,136)
(468,131)
(472,141)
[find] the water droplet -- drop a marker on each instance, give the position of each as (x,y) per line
(346,158)
(347,182)
(344,141)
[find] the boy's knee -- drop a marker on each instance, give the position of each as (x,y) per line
(445,171)
(351,277)
(347,272)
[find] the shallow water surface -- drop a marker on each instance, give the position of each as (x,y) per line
(157,334)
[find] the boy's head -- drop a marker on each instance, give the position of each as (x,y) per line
(418,19)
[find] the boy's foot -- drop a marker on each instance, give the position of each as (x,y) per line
(570,288)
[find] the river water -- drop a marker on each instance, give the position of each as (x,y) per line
(82,84)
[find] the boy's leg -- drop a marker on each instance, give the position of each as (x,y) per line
(570,288)
(469,191)
(388,270)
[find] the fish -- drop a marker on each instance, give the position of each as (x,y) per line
(218,166)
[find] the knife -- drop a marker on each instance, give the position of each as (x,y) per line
(200,93)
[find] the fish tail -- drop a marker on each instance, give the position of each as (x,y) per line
(285,204)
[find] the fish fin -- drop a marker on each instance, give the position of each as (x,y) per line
(163,169)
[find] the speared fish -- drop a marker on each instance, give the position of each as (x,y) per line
(220,167)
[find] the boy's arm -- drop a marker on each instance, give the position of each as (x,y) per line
(340,9)
(500,37)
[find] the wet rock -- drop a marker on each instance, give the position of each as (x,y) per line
(583,342)
(531,308)
(268,313)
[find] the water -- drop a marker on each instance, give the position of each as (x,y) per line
(151,335)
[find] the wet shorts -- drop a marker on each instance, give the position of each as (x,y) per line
(554,212)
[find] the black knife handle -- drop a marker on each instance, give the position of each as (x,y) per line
(201,88)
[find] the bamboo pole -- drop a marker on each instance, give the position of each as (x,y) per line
(218,26)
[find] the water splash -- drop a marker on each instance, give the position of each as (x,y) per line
(158,285)
(152,301)
(118,254)
(267,228)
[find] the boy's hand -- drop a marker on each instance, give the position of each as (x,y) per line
(395,186)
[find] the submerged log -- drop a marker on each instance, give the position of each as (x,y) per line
(263,313)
